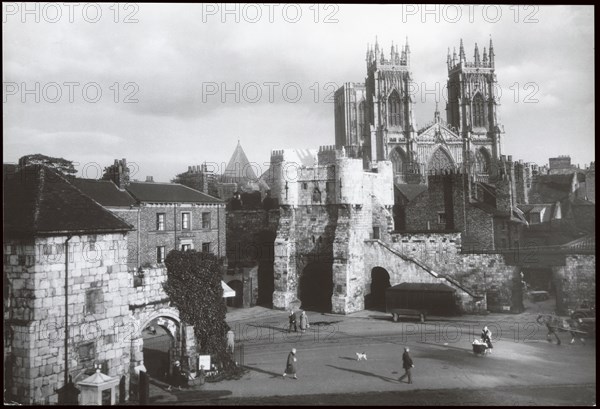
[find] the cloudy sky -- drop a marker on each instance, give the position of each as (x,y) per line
(167,86)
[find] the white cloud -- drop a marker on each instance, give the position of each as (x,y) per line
(175,50)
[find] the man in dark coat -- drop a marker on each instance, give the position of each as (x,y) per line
(292,318)
(178,378)
(407,364)
(290,367)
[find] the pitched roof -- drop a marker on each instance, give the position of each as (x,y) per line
(168,193)
(239,165)
(104,192)
(410,191)
(38,200)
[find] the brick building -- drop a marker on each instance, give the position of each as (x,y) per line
(165,216)
(65,278)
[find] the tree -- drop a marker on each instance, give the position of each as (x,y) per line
(194,287)
(64,166)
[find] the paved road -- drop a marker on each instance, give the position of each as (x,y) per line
(523,368)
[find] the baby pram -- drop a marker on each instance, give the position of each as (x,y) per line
(480,347)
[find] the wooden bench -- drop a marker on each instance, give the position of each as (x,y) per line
(403,312)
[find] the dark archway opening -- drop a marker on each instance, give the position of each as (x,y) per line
(238,300)
(159,351)
(380,281)
(539,291)
(316,287)
(266,277)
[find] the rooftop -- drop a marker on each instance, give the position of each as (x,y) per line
(168,193)
(104,192)
(39,200)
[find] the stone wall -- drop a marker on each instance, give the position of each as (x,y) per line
(479,272)
(244,228)
(575,282)
(98,284)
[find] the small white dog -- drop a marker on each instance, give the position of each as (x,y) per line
(360,356)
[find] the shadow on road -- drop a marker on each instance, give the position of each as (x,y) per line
(365,373)
(273,374)
(347,358)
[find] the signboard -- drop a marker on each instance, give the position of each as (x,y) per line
(204,361)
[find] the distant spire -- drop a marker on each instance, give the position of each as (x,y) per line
(436,115)
(485,57)
(491,52)
(376,46)
(462,52)
(454,56)
(407,48)
(476,57)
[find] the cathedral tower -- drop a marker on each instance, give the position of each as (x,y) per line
(471,105)
(389,100)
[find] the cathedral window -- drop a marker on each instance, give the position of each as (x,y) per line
(361,117)
(478,111)
(394,109)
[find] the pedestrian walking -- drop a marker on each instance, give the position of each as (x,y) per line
(292,319)
(178,377)
(486,336)
(304,321)
(407,364)
(290,367)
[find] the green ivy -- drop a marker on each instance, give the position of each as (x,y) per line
(194,288)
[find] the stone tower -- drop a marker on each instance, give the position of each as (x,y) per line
(472,102)
(389,101)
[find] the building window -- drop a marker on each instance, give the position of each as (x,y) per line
(206,220)
(206,247)
(478,111)
(394,109)
(186,221)
(160,221)
(376,232)
(185,247)
(304,185)
(87,352)
(504,243)
(160,254)
(442,218)
(94,299)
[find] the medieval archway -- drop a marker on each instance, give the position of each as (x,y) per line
(161,346)
(316,287)
(238,300)
(266,277)
(380,281)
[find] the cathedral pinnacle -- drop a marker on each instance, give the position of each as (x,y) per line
(476,57)
(462,52)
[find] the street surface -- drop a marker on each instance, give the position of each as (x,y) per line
(524,368)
